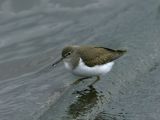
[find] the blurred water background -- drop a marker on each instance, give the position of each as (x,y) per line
(32,35)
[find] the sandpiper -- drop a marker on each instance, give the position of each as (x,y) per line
(88,61)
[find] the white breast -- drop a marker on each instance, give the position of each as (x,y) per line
(83,70)
(67,66)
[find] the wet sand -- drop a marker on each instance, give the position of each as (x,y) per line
(32,35)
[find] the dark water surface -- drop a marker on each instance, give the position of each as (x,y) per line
(32,34)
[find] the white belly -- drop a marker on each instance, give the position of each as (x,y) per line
(83,70)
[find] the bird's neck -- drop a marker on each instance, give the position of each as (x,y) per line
(72,62)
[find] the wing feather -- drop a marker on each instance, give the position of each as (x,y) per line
(98,55)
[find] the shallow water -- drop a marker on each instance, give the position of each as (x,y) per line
(32,34)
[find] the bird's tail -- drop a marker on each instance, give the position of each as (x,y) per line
(119,53)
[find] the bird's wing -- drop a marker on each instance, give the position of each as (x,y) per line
(98,55)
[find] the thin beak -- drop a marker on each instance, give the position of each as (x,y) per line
(58,61)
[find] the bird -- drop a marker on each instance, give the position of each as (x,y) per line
(89,61)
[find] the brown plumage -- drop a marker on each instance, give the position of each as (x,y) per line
(99,55)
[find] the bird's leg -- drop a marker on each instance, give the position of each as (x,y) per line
(98,78)
(81,79)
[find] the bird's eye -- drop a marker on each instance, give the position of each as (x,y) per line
(69,53)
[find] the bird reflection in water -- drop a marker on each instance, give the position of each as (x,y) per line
(88,101)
